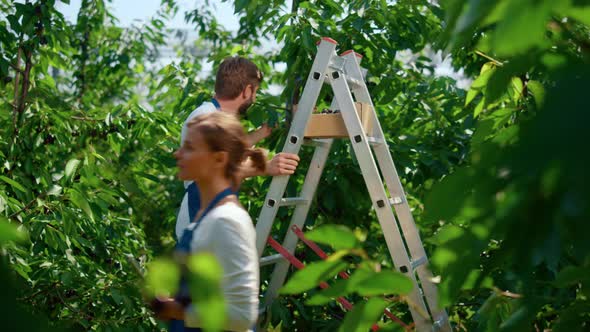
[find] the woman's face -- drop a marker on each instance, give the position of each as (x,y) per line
(194,159)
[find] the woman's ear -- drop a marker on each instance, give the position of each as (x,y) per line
(221,158)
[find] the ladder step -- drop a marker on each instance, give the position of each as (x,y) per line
(293,201)
(419,262)
(272,259)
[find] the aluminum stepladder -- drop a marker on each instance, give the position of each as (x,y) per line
(346,78)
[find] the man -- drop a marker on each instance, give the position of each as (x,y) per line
(236,84)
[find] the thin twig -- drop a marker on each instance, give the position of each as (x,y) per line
(81,118)
(79,312)
(16,67)
(16,86)
(26,207)
(496,62)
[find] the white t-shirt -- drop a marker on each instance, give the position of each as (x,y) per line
(228,233)
(182,219)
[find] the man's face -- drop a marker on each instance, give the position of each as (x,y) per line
(248,102)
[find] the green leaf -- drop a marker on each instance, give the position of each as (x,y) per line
(384,283)
(363,316)
(475,281)
(71,167)
(448,197)
(55,190)
(471,94)
(13,184)
(205,275)
(341,287)
(523,29)
(581,14)
(571,275)
(3,204)
(476,10)
(9,232)
(516,89)
(445,234)
(311,276)
(485,73)
(162,278)
(538,92)
(80,201)
(338,236)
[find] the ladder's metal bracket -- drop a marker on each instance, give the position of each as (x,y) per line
(290,201)
(337,63)
(374,141)
(272,259)
(418,262)
(316,142)
(396,200)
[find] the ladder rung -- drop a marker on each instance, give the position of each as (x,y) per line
(396,200)
(418,262)
(315,142)
(272,259)
(293,201)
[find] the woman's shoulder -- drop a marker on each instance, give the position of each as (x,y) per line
(233,213)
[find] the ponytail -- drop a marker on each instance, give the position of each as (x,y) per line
(224,132)
(258,158)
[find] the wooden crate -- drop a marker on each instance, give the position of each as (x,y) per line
(332,125)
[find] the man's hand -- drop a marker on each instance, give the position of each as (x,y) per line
(259,134)
(282,164)
(265,130)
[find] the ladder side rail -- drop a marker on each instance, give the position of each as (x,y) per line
(411,233)
(379,198)
(311,181)
(311,91)
(406,220)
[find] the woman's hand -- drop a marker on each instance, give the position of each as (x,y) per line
(167,309)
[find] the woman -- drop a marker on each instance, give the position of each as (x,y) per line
(211,155)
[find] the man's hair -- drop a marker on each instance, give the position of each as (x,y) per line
(234,75)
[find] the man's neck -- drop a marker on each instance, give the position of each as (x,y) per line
(229,106)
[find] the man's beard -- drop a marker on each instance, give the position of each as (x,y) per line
(244,107)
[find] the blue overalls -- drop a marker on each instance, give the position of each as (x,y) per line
(183,247)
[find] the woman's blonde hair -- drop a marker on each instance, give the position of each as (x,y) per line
(224,132)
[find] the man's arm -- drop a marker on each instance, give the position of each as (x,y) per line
(258,135)
(281,164)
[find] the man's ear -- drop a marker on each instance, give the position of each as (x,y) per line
(247,92)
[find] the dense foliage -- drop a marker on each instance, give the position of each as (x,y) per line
(496,175)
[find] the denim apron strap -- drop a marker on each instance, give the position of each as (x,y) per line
(216,103)
(184,247)
(194,200)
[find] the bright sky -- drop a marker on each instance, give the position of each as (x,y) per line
(137,11)
(130,11)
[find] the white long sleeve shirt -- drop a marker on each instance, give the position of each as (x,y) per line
(228,233)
